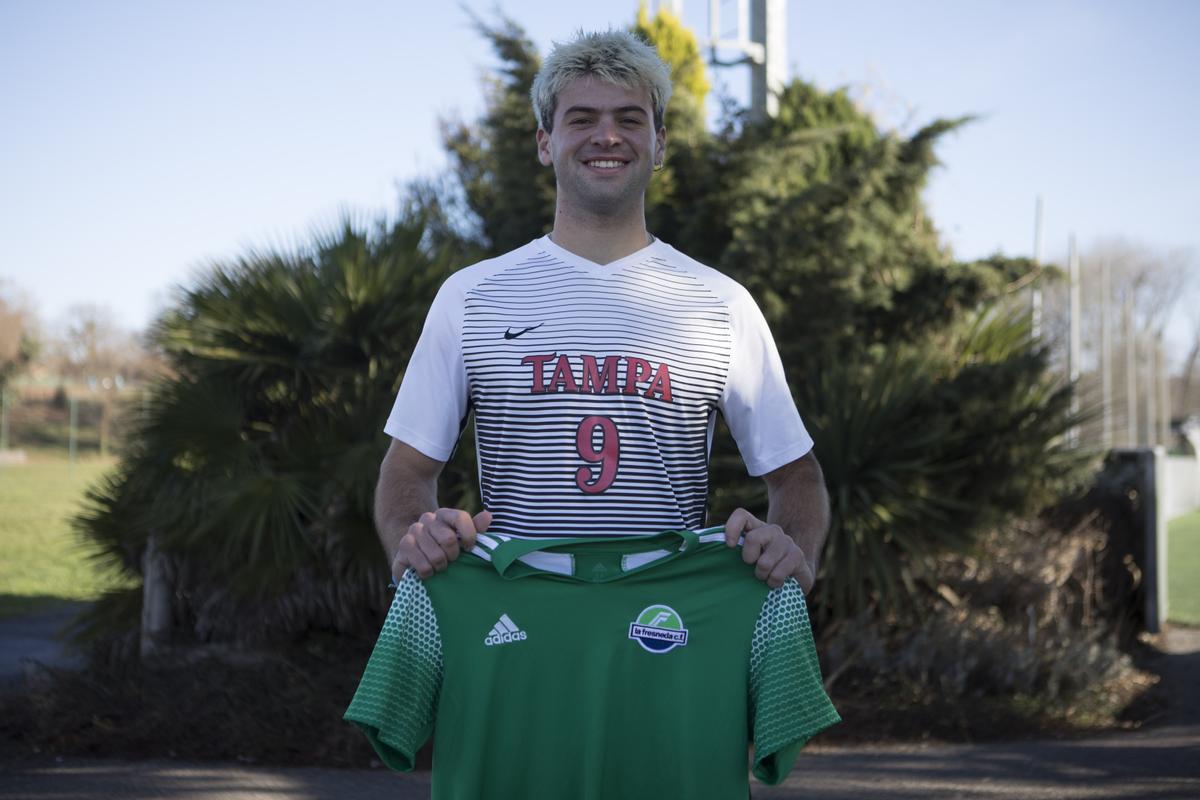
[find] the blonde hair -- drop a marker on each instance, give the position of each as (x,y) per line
(614,56)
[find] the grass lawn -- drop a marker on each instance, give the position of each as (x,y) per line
(1183,563)
(43,560)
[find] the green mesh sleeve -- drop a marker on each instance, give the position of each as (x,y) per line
(788,704)
(396,701)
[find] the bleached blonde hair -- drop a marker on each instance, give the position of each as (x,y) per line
(613,56)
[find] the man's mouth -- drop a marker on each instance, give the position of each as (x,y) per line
(605,163)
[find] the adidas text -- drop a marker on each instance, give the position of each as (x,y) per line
(504,631)
(503,638)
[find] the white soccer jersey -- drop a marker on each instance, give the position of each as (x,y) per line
(595,387)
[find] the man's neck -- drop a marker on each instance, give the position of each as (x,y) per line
(600,240)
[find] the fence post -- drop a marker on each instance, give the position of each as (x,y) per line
(72,425)
(3,419)
(1154,523)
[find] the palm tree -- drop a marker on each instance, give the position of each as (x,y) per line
(254,464)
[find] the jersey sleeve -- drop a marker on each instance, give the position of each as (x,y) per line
(756,402)
(396,701)
(788,704)
(431,405)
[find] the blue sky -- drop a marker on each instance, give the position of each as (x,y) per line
(144,140)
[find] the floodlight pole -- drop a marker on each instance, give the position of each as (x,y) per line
(1151,385)
(1076,303)
(761,39)
(1131,421)
(1164,393)
(768,24)
(1106,378)
(1075,351)
(1035,322)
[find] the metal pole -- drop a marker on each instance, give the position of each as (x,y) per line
(1074,369)
(1151,385)
(760,97)
(761,38)
(714,27)
(1131,431)
(777,60)
(768,25)
(1106,378)
(1076,303)
(1164,394)
(1035,297)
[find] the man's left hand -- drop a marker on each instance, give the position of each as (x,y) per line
(774,554)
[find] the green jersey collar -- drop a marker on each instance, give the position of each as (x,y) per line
(593,559)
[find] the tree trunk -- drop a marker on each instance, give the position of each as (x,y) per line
(156,599)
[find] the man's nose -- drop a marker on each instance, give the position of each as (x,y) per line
(606,132)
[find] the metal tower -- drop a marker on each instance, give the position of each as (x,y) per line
(759,39)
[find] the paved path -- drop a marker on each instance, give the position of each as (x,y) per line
(1162,764)
(34,637)
(1161,761)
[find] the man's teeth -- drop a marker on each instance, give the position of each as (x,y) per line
(606,164)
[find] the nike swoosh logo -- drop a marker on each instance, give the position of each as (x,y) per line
(508,334)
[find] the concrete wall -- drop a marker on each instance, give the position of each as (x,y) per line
(1181,487)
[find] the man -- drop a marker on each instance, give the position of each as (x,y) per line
(595,360)
(596,643)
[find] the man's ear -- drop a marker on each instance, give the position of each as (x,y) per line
(660,146)
(543,147)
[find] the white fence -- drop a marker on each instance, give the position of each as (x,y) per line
(1181,489)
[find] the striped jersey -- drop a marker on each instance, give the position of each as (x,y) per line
(603,667)
(595,388)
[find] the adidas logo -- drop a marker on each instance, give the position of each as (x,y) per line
(503,632)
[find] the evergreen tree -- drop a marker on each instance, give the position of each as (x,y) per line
(506,189)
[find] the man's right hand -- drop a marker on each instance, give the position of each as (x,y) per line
(436,539)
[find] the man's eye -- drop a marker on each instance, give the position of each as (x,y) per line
(580,121)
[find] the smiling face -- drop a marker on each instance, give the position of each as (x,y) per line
(603,147)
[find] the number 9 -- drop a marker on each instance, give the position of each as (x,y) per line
(606,456)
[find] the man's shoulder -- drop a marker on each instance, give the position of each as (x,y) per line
(472,275)
(723,285)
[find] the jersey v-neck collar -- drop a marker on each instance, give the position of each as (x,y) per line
(568,257)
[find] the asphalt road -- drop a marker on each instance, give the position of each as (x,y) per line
(1164,763)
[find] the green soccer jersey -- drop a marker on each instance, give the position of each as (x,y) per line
(609,667)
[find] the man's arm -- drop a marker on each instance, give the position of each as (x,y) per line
(790,541)
(414,531)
